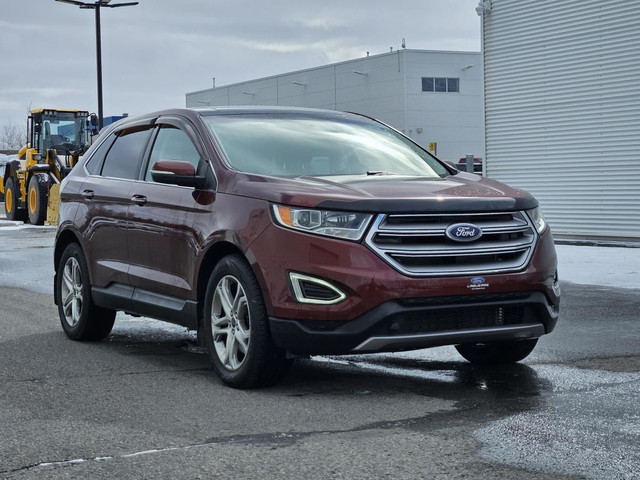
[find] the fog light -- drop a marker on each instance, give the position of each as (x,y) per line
(315,290)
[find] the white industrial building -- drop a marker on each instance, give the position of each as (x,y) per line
(562,109)
(435,97)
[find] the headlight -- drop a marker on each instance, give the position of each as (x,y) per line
(347,225)
(537,218)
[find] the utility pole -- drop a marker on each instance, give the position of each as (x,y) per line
(96,6)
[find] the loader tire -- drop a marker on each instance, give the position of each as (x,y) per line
(37,196)
(12,199)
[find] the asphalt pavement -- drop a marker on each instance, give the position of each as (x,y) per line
(144,403)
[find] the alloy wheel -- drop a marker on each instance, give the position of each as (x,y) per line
(71,291)
(230,322)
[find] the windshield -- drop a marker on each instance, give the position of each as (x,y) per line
(64,131)
(293,146)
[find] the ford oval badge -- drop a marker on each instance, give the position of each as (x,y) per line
(463,232)
(477,280)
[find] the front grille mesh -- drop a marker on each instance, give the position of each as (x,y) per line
(416,245)
(408,323)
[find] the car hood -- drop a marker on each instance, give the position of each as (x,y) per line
(463,192)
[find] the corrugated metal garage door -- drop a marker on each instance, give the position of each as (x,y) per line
(562,109)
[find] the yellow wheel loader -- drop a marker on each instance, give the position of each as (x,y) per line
(31,184)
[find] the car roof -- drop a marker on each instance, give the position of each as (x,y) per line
(276,110)
(300,112)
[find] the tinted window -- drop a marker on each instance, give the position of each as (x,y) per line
(437,84)
(94,165)
(427,84)
(123,159)
(172,144)
(288,146)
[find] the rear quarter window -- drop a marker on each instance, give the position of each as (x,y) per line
(94,164)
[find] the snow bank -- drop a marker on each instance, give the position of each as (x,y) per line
(617,267)
(7,158)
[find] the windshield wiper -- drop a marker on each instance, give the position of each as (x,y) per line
(380,172)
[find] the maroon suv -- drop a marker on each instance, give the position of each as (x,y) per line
(290,232)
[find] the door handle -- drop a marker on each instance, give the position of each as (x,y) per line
(139,200)
(88,194)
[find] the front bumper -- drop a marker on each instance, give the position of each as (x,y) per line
(410,324)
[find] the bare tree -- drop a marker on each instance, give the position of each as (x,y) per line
(11,137)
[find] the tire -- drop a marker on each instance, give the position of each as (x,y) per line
(37,196)
(81,319)
(497,352)
(236,329)
(11,200)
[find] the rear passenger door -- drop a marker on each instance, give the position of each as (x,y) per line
(161,239)
(105,200)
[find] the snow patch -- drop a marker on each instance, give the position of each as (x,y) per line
(616,267)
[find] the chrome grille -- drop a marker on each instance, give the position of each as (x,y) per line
(416,245)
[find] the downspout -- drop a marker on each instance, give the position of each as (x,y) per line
(404,93)
(481,11)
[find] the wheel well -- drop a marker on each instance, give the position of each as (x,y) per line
(10,170)
(212,257)
(64,239)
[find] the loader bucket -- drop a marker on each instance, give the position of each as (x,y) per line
(54,205)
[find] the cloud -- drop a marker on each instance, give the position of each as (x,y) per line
(21,27)
(323,24)
(330,48)
(44,92)
(156,52)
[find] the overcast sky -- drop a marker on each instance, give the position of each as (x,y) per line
(155,52)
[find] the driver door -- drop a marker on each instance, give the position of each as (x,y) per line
(162,244)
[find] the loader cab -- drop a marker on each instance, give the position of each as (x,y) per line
(63,130)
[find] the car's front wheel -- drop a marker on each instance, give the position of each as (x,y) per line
(81,319)
(493,353)
(236,329)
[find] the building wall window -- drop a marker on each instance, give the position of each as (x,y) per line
(440,84)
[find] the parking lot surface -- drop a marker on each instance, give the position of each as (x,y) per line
(145,403)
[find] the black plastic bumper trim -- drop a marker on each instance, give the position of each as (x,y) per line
(363,333)
(142,302)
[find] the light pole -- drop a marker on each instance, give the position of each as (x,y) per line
(96,6)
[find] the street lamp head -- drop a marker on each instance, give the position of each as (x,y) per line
(74,2)
(114,5)
(99,3)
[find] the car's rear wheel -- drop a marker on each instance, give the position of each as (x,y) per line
(236,329)
(81,319)
(493,353)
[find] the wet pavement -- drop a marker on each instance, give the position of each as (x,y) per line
(144,403)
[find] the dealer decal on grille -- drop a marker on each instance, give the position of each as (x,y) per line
(478,283)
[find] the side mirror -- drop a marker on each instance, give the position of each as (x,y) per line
(177,172)
(92,124)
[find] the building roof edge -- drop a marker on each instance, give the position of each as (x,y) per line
(343,62)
